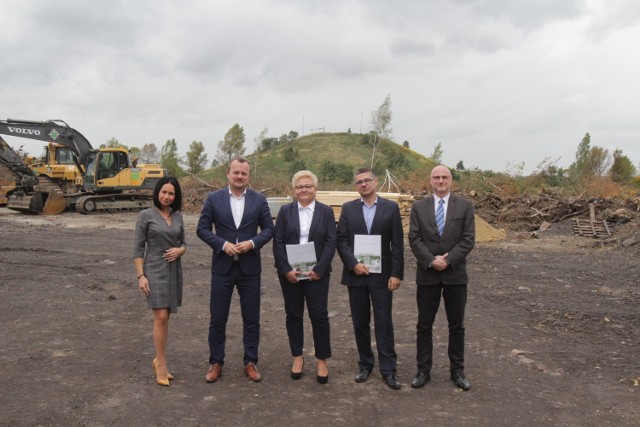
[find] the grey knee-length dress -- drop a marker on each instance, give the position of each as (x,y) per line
(153,236)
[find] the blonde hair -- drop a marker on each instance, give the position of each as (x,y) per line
(304,174)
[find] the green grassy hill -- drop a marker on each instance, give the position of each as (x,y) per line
(333,157)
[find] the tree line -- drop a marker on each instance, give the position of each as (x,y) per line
(196,159)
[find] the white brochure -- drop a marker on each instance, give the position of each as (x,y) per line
(368,250)
(302,258)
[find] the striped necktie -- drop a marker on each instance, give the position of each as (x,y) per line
(440,217)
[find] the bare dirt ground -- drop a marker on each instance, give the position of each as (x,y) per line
(553,338)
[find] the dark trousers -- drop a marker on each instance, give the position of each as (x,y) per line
(455,301)
(221,292)
(361,299)
(316,294)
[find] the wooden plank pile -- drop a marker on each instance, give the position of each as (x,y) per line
(336,199)
(275,203)
(591,227)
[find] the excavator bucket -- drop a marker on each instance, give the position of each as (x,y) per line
(31,203)
(54,204)
(51,203)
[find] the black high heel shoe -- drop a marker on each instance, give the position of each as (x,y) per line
(323,379)
(297,375)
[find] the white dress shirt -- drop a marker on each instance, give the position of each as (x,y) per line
(305,213)
(237,207)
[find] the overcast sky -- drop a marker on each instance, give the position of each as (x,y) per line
(497,82)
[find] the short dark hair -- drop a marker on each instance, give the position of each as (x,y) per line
(365,170)
(177,202)
(239,159)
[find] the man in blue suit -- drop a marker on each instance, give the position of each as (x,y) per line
(372,215)
(237,212)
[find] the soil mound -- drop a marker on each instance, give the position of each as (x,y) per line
(485,232)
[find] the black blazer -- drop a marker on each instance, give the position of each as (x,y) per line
(217,211)
(322,233)
(457,239)
(388,224)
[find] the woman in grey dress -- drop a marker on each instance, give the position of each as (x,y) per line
(159,244)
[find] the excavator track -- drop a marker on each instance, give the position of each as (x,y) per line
(113,202)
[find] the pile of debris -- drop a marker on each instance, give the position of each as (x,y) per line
(529,212)
(194,194)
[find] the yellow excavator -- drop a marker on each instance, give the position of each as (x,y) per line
(14,172)
(72,174)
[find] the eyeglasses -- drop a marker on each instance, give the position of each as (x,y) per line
(304,187)
(363,181)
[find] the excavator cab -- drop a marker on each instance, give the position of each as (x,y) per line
(65,156)
(103,169)
(58,162)
(111,163)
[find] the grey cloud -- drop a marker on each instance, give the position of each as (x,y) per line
(62,39)
(412,47)
(613,17)
(483,25)
(73,24)
(282,50)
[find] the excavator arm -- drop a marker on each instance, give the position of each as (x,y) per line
(15,175)
(50,130)
(13,163)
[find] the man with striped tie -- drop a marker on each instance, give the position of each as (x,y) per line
(441,235)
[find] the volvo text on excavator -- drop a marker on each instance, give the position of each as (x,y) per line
(71,174)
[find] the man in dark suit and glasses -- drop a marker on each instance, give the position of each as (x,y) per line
(237,212)
(372,215)
(441,235)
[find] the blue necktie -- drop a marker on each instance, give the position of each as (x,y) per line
(440,217)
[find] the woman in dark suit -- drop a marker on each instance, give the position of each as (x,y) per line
(159,244)
(304,221)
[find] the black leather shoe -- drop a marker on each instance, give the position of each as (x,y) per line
(460,381)
(421,379)
(391,381)
(362,376)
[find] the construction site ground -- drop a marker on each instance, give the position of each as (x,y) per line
(552,324)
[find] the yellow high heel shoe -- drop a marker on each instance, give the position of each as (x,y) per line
(154,363)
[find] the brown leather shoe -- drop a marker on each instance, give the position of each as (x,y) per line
(213,373)
(252,372)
